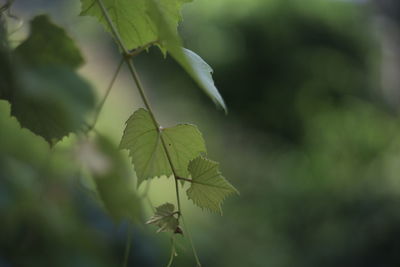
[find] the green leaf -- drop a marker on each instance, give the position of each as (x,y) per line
(192,63)
(112,178)
(140,22)
(47,96)
(165,219)
(51,101)
(200,72)
(143,140)
(20,143)
(208,188)
(49,44)
(136,20)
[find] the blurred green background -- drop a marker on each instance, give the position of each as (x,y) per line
(312,141)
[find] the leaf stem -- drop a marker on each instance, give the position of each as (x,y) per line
(135,76)
(157,125)
(140,88)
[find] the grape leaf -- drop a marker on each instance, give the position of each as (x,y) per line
(164,218)
(140,22)
(51,101)
(111,175)
(49,44)
(134,20)
(48,97)
(143,140)
(208,188)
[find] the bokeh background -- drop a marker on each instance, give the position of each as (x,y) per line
(312,141)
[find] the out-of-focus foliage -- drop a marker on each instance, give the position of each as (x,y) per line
(309,141)
(114,182)
(50,215)
(52,197)
(48,44)
(287,59)
(6,79)
(38,204)
(317,150)
(47,96)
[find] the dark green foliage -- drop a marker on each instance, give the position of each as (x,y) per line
(48,96)
(39,201)
(114,182)
(6,74)
(7,82)
(51,101)
(297,57)
(321,149)
(48,44)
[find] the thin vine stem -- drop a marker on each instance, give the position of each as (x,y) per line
(139,85)
(113,29)
(135,76)
(103,100)
(173,251)
(127,246)
(191,243)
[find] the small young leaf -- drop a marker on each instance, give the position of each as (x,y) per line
(208,188)
(143,140)
(165,219)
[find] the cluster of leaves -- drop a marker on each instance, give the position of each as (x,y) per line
(47,96)
(143,22)
(185,145)
(158,151)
